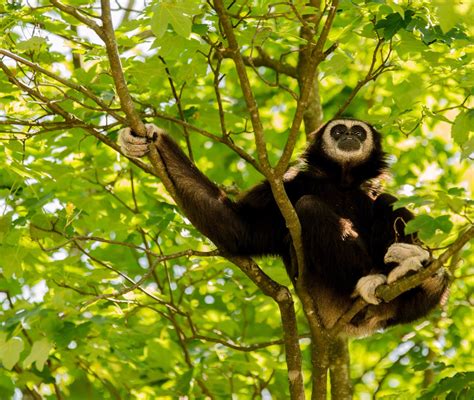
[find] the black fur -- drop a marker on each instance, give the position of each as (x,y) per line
(345,231)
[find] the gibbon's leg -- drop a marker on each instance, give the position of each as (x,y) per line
(388,228)
(334,254)
(242,228)
(419,301)
(401,256)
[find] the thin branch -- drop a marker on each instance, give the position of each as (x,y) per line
(217,80)
(126,277)
(221,139)
(177,99)
(108,36)
(245,84)
(126,101)
(70,119)
(389,292)
(372,74)
(263,60)
(234,346)
(75,12)
(80,88)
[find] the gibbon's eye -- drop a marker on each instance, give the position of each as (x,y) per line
(338,130)
(358,131)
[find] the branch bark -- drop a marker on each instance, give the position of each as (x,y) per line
(264,60)
(306,79)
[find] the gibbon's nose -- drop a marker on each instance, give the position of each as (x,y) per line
(349,143)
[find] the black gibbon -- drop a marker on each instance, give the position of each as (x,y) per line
(353,240)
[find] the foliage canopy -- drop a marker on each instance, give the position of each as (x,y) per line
(107,290)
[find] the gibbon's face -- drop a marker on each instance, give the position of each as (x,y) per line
(347,141)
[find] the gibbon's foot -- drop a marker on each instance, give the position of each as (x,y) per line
(366,287)
(410,257)
(136,146)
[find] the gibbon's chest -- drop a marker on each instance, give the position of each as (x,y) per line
(350,204)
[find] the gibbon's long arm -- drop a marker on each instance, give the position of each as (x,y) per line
(240,228)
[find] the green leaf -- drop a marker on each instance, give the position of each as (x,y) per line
(462,126)
(446,14)
(39,354)
(7,387)
(184,382)
(392,23)
(467,149)
(10,350)
(444,223)
(5,225)
(32,44)
(422,223)
(454,384)
(176,13)
(455,203)
(416,201)
(11,261)
(426,226)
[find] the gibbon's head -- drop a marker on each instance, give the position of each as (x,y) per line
(347,141)
(347,147)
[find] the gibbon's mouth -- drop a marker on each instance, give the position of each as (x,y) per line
(349,143)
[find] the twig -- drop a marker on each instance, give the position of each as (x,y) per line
(263,60)
(74,12)
(221,139)
(372,74)
(125,276)
(177,99)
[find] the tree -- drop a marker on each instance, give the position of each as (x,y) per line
(109,292)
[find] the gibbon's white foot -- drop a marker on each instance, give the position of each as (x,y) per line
(410,257)
(136,146)
(367,285)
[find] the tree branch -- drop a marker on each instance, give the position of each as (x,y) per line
(108,36)
(263,60)
(177,98)
(70,119)
(389,292)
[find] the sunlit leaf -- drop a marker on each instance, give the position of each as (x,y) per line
(38,354)
(10,350)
